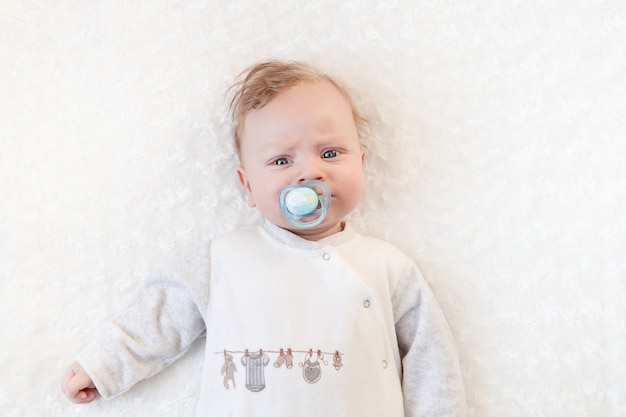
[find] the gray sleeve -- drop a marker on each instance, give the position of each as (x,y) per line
(157,327)
(432,383)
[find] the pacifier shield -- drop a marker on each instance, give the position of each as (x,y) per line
(301,202)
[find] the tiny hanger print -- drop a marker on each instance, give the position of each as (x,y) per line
(254,363)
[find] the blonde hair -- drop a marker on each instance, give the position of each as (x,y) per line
(259,84)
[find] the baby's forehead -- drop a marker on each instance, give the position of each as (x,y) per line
(306,105)
(306,94)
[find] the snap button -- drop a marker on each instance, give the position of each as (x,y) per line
(366,303)
(384,364)
(326,256)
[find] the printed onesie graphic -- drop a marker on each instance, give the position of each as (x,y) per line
(255,374)
(228,370)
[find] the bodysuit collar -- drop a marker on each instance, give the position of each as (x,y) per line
(290,239)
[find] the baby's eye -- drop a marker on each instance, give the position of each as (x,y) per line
(281,161)
(331,153)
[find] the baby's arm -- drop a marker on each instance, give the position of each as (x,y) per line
(156,328)
(432,381)
(77,385)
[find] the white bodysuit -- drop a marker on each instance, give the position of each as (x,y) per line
(345,326)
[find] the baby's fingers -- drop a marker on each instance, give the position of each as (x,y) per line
(77,385)
(84,396)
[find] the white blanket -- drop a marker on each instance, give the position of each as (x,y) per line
(496,163)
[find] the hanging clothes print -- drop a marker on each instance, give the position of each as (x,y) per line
(255,374)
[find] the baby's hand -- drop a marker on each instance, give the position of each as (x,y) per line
(78,386)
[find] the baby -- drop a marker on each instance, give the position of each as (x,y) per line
(347,322)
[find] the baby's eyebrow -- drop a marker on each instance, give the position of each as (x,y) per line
(278,149)
(281,141)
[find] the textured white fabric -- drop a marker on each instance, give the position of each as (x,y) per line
(497,165)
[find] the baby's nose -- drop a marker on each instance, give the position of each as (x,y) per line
(311,170)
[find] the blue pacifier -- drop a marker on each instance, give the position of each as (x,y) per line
(304,200)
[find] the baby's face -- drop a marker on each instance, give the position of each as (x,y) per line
(305,133)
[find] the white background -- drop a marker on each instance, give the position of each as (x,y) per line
(497,163)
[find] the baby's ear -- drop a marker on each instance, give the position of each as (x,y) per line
(243,179)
